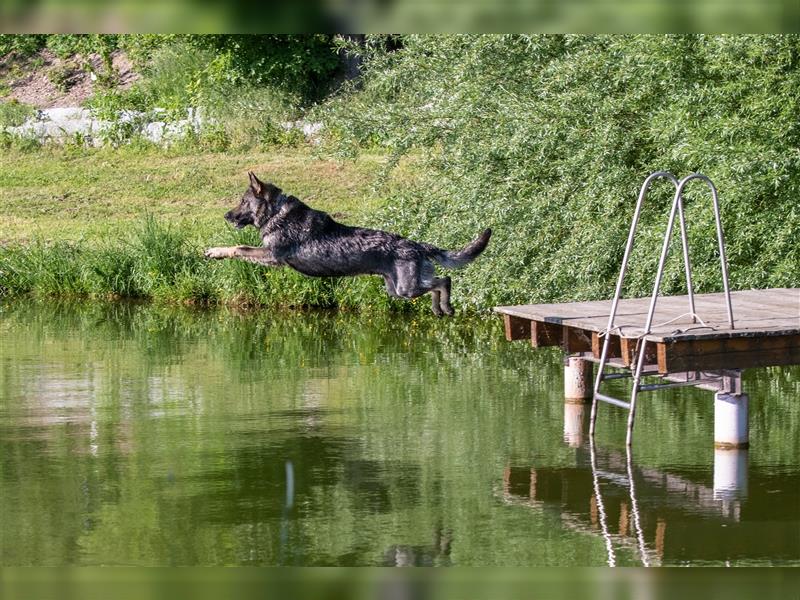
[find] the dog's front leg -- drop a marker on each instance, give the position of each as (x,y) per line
(261,255)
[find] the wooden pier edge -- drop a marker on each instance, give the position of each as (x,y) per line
(767,330)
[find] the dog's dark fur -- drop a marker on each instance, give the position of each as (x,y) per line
(311,242)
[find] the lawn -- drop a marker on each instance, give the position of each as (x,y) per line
(133,223)
(96,194)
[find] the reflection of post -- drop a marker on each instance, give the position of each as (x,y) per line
(661,529)
(730,473)
(731,440)
(623,518)
(575,422)
(532,487)
(577,393)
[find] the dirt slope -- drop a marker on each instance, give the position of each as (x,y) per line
(34,80)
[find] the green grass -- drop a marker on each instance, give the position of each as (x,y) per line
(133,223)
(97,195)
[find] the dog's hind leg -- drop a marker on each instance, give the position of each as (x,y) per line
(440,294)
(436,303)
(412,279)
(260,255)
(415,279)
(391,288)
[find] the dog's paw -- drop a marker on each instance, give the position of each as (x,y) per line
(217,253)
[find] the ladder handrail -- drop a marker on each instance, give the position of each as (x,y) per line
(678,202)
(677,207)
(623,270)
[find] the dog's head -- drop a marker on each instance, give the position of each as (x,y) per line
(257,206)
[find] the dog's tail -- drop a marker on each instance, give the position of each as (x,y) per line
(452,259)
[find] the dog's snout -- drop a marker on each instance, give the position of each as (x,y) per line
(228,215)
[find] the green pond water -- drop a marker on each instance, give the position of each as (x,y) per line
(134,435)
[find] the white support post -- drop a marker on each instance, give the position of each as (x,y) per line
(731,428)
(577,380)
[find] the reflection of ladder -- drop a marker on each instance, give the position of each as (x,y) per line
(601,511)
(638,372)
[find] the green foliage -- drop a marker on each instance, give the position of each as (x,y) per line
(61,75)
(301,64)
(67,45)
(181,70)
(247,116)
(21,44)
(180,76)
(42,269)
(162,255)
(548,138)
(173,75)
(245,86)
(14,113)
(140,47)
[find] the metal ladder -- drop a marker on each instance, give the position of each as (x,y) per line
(677,207)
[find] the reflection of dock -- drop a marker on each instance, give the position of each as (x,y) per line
(668,517)
(678,350)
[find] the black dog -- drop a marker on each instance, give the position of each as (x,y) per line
(311,242)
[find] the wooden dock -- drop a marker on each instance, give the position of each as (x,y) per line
(767,330)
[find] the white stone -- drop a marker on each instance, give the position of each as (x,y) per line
(59,124)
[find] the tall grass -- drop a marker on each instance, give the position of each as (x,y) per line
(161,262)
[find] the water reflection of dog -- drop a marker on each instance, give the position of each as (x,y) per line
(435,555)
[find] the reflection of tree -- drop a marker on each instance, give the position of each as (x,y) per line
(170,445)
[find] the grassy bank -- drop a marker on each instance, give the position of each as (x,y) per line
(133,223)
(97,195)
(544,138)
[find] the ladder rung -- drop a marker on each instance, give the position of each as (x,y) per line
(610,400)
(607,376)
(660,386)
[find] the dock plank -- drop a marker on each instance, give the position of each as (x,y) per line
(757,313)
(766,333)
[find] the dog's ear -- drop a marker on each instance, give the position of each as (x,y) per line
(256,184)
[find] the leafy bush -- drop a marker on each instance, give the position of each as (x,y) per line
(547,139)
(67,45)
(303,65)
(20,43)
(180,76)
(173,74)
